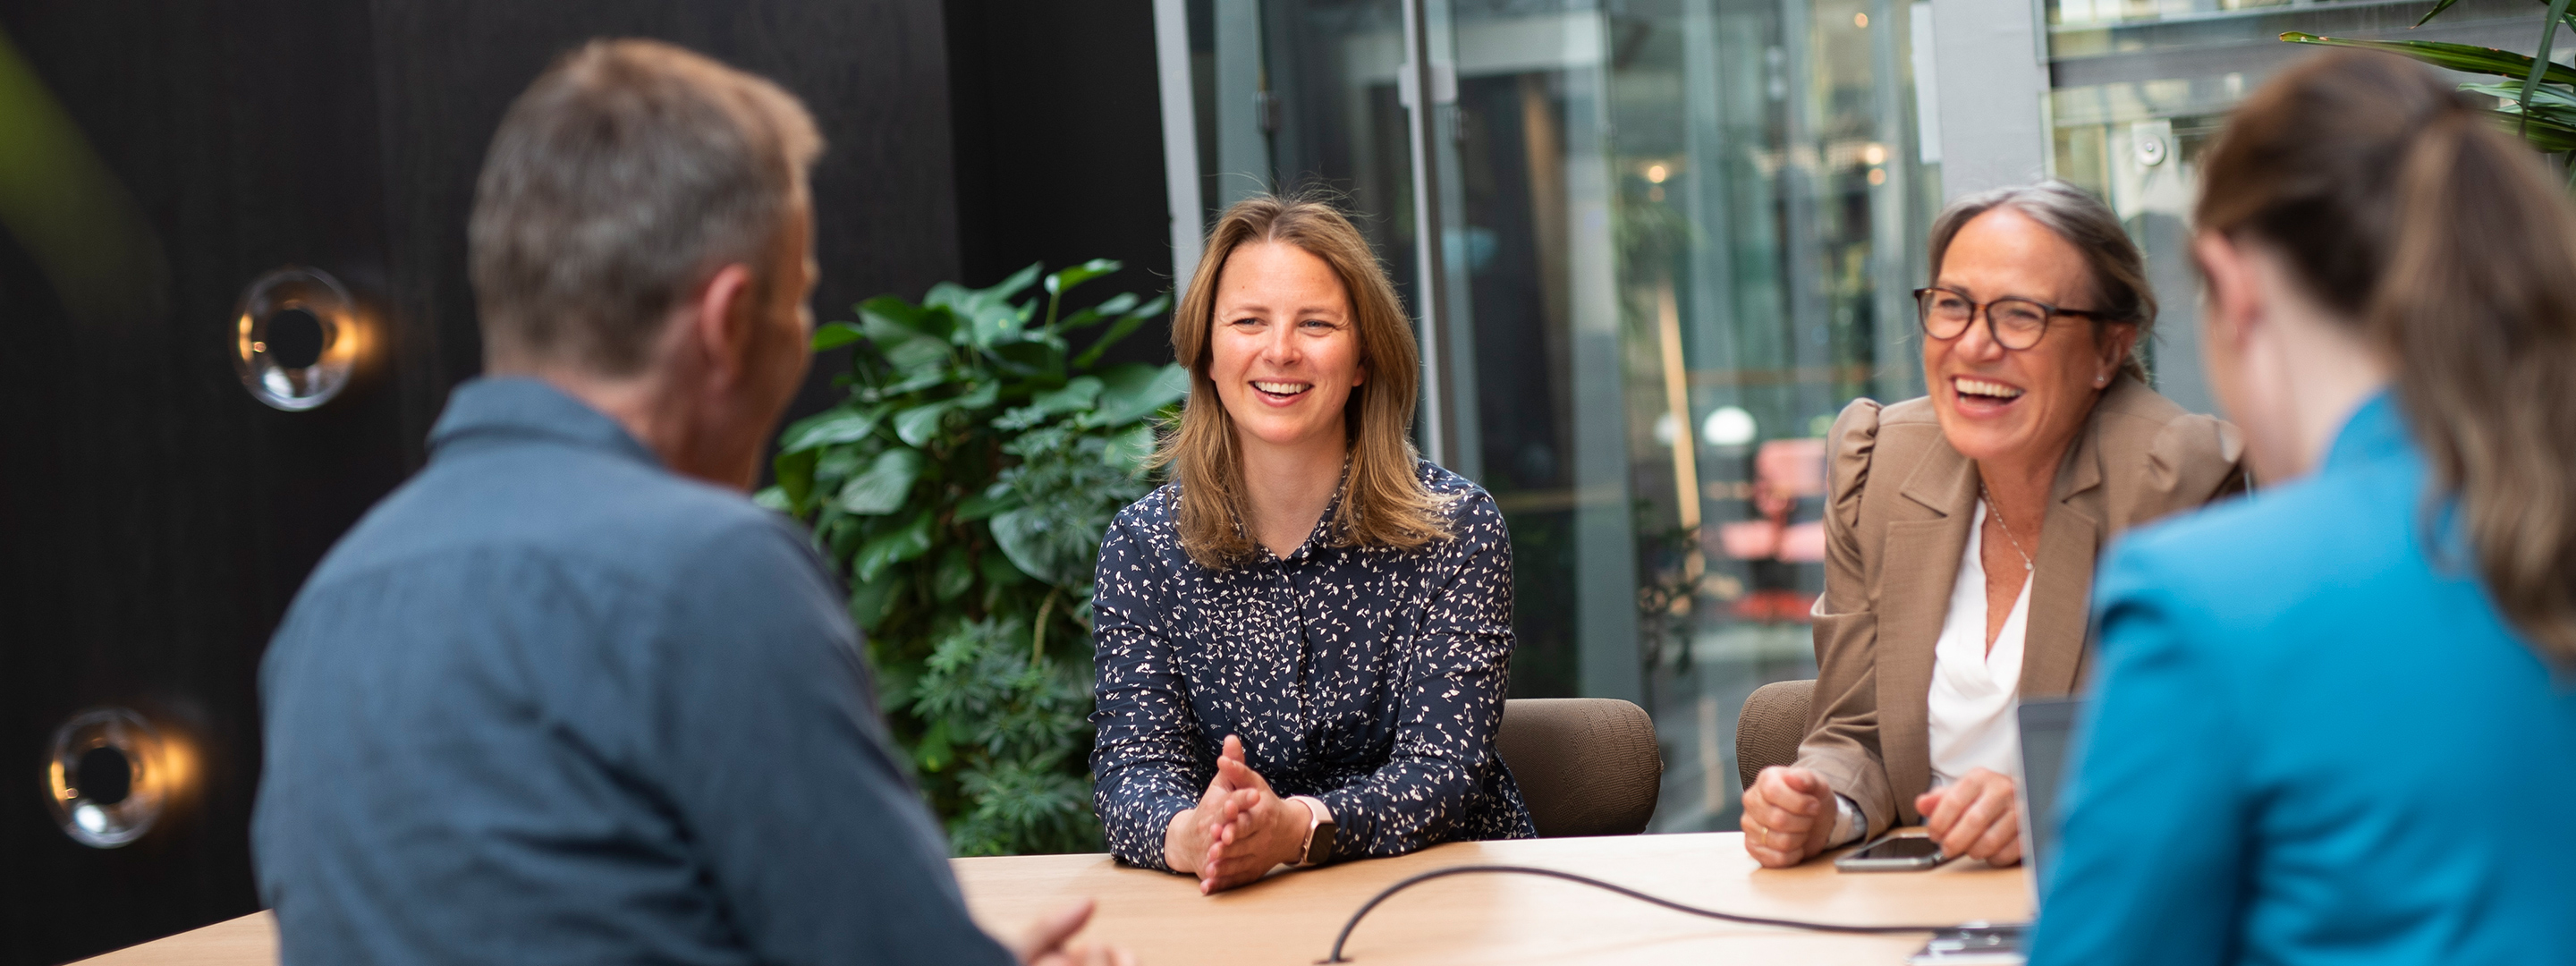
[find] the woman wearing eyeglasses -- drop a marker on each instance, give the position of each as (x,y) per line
(1963,527)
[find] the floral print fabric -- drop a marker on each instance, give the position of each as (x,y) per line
(1368,677)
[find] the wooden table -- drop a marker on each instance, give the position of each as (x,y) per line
(1291,917)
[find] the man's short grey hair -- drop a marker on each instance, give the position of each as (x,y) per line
(2118,271)
(625,176)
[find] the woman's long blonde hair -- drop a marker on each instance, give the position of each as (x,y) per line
(1384,503)
(2453,251)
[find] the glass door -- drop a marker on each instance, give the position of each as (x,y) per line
(1661,243)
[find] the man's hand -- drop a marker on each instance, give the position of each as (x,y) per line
(1975,818)
(1265,832)
(1044,942)
(1788,816)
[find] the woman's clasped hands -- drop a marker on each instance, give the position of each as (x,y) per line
(1789,817)
(1240,830)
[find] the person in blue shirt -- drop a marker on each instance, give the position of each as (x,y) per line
(568,696)
(2336,721)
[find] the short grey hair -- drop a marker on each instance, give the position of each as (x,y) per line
(2118,272)
(624,176)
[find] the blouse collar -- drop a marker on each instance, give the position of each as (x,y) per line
(1322,536)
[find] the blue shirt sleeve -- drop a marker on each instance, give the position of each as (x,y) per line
(2151,859)
(777,765)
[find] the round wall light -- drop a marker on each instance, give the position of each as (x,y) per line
(110,775)
(297,338)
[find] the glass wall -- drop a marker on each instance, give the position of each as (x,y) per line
(2139,87)
(1670,239)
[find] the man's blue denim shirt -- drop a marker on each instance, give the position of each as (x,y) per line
(550,702)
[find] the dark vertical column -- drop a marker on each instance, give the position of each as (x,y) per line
(1057,110)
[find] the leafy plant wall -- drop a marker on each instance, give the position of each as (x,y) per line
(963,488)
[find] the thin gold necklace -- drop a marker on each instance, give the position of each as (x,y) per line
(1989,497)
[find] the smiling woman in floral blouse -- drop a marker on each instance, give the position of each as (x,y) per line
(1304,640)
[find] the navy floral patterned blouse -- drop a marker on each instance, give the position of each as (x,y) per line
(1368,677)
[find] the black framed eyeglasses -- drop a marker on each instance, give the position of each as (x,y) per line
(2015,323)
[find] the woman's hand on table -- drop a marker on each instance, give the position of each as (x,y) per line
(1264,832)
(1240,830)
(1977,817)
(1187,842)
(1045,942)
(1788,816)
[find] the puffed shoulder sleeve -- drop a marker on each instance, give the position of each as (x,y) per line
(2194,459)
(1854,440)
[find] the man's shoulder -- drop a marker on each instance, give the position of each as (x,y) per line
(572,508)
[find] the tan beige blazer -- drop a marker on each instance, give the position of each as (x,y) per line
(1900,500)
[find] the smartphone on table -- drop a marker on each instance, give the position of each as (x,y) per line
(1894,853)
(1973,944)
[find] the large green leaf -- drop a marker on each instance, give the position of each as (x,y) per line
(839,425)
(893,547)
(918,379)
(2548,128)
(919,425)
(1115,305)
(833,335)
(2540,58)
(1064,280)
(887,318)
(881,490)
(1043,544)
(913,340)
(2543,98)
(1126,324)
(991,319)
(1040,359)
(2465,58)
(1135,390)
(795,473)
(1078,394)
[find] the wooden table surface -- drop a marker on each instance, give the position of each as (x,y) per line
(1291,917)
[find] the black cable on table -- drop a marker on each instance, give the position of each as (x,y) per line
(1336,956)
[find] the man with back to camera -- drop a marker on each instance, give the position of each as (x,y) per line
(568,696)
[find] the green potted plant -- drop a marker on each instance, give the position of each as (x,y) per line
(962,488)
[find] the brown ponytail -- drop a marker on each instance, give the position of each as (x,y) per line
(2454,251)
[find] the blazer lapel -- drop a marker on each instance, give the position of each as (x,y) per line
(1920,563)
(2061,590)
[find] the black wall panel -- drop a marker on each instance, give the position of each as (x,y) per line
(155,519)
(874,74)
